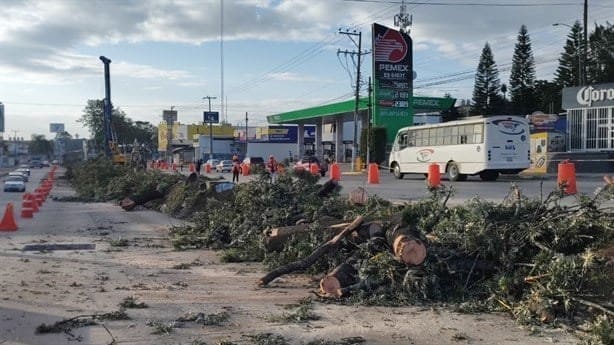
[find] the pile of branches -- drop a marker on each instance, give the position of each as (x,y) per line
(540,260)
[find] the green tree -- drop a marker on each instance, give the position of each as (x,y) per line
(39,145)
(600,57)
(547,97)
(568,73)
(522,77)
(486,97)
(125,131)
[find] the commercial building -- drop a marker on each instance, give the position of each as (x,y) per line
(590,126)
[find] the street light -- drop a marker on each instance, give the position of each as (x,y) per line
(577,52)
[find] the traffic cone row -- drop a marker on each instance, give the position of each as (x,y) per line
(30,204)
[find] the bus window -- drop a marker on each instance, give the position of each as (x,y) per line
(420,137)
(402,140)
(432,136)
(411,138)
(463,139)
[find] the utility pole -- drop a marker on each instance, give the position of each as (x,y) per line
(369,123)
(585,46)
(169,136)
(359,53)
(246,134)
(209,98)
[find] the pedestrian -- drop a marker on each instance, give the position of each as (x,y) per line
(236,169)
(272,166)
(199,163)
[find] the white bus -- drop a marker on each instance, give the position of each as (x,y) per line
(485,146)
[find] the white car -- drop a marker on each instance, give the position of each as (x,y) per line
(225,165)
(14,185)
(212,162)
(24,171)
(19,174)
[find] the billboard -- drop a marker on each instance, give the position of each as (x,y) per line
(211,117)
(56,127)
(393,79)
(169,116)
(284,134)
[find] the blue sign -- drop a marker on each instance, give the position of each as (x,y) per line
(211,116)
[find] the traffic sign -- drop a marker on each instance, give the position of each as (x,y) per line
(211,116)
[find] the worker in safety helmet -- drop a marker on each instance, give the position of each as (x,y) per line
(272,167)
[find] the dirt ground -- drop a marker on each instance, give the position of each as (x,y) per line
(46,287)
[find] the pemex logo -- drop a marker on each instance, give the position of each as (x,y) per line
(390,47)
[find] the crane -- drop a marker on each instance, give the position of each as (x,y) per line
(111,149)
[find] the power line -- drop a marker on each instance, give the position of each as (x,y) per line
(538,4)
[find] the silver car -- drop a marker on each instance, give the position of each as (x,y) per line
(225,165)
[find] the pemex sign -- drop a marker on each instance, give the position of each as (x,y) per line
(393,75)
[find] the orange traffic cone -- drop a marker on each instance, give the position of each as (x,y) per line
(566,178)
(335,172)
(29,203)
(434,176)
(8,221)
(27,213)
(373,177)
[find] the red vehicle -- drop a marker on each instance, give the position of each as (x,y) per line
(307,162)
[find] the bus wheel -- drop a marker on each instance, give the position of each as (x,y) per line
(453,172)
(489,175)
(397,171)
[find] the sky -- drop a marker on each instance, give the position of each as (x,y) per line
(274,55)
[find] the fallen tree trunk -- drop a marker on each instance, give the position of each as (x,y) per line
(327,188)
(342,276)
(275,238)
(314,256)
(129,203)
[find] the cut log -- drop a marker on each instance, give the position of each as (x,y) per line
(358,196)
(327,188)
(132,201)
(409,250)
(406,246)
(342,276)
(370,230)
(275,238)
(319,252)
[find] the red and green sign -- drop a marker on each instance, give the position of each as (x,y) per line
(393,75)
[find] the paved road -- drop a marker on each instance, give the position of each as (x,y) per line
(36,175)
(413,186)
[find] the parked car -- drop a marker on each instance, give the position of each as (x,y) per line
(55,162)
(212,162)
(254,161)
(46,164)
(14,185)
(36,164)
(25,168)
(23,176)
(224,165)
(307,162)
